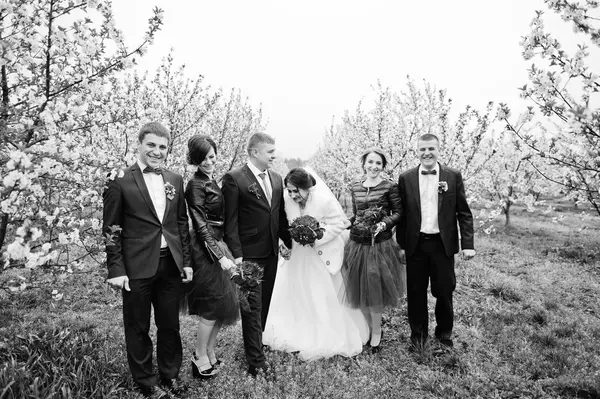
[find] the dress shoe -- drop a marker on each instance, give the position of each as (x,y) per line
(154,392)
(216,363)
(254,371)
(203,371)
(174,385)
(447,342)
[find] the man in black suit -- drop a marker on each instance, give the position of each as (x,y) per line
(435,206)
(148,257)
(254,221)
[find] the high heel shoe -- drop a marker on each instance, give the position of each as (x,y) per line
(377,348)
(197,369)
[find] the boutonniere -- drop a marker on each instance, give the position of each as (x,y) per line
(253,188)
(442,187)
(170,190)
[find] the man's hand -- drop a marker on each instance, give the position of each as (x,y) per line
(226,263)
(187,275)
(285,252)
(237,261)
(402,256)
(468,253)
(121,282)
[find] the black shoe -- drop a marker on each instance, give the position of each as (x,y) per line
(174,385)
(254,371)
(447,342)
(205,374)
(154,392)
(377,348)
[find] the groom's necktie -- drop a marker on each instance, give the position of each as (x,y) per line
(263,176)
(429,172)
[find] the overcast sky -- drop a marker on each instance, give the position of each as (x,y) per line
(308,61)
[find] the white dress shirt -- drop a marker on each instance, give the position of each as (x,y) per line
(156,189)
(428,189)
(262,182)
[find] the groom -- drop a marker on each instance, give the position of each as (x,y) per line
(148,257)
(254,221)
(435,206)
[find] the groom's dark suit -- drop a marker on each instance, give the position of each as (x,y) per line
(252,232)
(431,256)
(154,274)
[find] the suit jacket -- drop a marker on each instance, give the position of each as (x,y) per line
(453,211)
(252,226)
(327,210)
(135,251)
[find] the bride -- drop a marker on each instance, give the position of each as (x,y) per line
(306,315)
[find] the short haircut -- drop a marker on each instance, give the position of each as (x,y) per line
(429,136)
(154,128)
(378,151)
(300,178)
(199,146)
(258,138)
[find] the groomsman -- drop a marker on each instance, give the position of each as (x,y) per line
(148,257)
(435,207)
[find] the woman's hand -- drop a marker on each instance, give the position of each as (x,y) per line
(226,263)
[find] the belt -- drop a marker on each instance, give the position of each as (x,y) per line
(426,236)
(164,252)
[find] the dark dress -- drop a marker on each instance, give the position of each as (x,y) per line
(374,276)
(212,294)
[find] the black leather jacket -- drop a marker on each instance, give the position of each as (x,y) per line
(205,204)
(384,195)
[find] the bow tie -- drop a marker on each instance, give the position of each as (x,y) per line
(429,172)
(150,169)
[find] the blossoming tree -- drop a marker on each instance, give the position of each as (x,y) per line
(57,59)
(564,89)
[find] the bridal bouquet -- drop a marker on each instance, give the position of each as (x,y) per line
(305,230)
(247,275)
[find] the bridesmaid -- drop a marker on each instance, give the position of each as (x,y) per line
(213,296)
(372,270)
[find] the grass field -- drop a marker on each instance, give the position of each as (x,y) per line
(527,326)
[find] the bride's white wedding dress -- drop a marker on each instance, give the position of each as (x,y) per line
(306,314)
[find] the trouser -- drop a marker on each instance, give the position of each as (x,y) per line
(162,291)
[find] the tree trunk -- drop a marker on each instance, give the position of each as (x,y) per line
(3,227)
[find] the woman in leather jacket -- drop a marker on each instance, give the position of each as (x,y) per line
(213,296)
(372,270)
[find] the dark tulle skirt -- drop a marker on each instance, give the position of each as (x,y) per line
(211,294)
(373,275)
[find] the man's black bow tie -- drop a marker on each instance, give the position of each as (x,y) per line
(150,169)
(429,172)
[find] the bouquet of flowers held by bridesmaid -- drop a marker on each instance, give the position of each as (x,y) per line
(305,230)
(247,275)
(366,221)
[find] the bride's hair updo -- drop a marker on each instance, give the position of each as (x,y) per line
(199,146)
(300,178)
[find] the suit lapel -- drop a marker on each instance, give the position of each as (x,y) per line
(414,182)
(139,180)
(443,177)
(254,180)
(275,189)
(168,201)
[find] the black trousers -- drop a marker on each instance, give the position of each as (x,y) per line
(254,318)
(162,291)
(430,262)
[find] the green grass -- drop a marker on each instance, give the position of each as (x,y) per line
(527,326)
